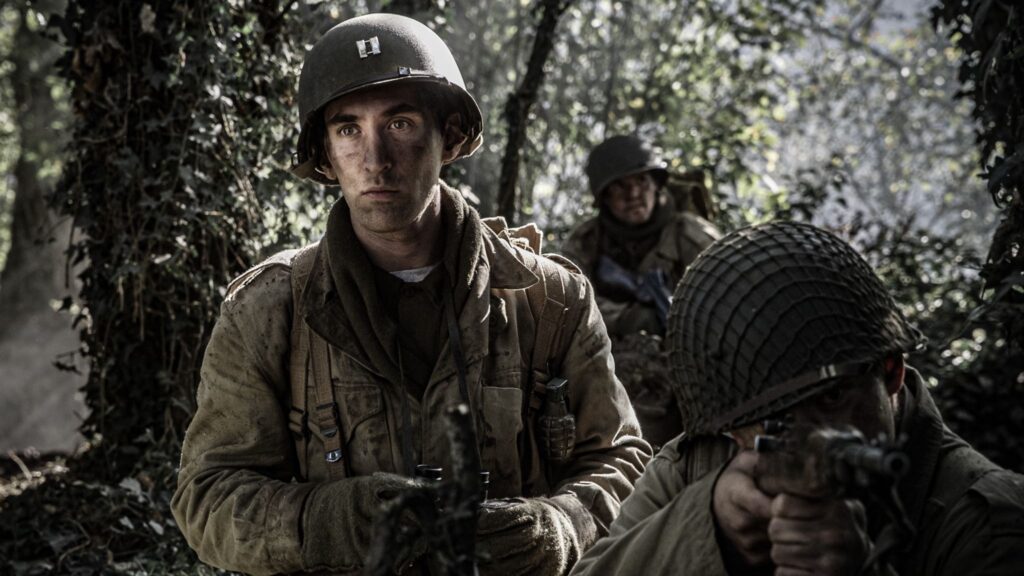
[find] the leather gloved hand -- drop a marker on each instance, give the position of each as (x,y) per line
(535,536)
(338,519)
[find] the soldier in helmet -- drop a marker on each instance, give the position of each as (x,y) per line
(634,251)
(784,322)
(331,368)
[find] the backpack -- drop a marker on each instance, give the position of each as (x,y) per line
(691,194)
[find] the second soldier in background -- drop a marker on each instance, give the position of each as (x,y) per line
(635,251)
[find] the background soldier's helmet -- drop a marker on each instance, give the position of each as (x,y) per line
(369,51)
(621,156)
(771,315)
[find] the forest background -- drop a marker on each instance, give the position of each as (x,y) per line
(144,149)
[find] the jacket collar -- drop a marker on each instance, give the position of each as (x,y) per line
(928,441)
(500,266)
(509,268)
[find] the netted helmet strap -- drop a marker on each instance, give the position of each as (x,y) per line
(804,381)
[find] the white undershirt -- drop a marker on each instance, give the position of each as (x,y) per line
(414,275)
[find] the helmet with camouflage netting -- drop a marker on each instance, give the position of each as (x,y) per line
(369,51)
(621,156)
(771,315)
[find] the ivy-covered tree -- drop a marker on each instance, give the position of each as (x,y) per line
(173,180)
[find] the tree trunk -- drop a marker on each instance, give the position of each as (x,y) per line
(517,109)
(39,402)
(178,105)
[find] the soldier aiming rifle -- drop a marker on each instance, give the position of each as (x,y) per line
(787,323)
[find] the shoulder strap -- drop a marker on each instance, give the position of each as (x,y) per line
(555,314)
(549,302)
(310,354)
(961,468)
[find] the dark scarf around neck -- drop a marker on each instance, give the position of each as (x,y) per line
(352,274)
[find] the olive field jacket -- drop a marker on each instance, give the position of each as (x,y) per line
(241,501)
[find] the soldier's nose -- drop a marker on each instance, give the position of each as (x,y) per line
(377,156)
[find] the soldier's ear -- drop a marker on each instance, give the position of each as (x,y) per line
(895,372)
(454,138)
(328,171)
(325,166)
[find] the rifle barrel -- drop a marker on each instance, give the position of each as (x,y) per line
(874,460)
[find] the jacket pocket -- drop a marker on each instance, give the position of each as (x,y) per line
(364,421)
(503,423)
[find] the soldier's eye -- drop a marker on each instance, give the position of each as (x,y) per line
(832,398)
(348,130)
(401,124)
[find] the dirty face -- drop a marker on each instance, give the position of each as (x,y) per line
(631,198)
(386,150)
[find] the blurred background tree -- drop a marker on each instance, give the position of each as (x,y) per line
(844,113)
(33,275)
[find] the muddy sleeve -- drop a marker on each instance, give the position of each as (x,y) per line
(662,532)
(609,455)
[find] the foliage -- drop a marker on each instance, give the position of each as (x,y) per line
(973,369)
(60,521)
(990,36)
(181,111)
(702,90)
(874,92)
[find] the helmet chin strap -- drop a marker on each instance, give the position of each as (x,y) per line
(801,382)
(320,171)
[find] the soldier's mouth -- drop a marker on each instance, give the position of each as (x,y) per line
(379,193)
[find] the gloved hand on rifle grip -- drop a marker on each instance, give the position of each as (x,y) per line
(529,536)
(338,518)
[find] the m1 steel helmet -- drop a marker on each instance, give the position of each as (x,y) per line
(369,51)
(621,156)
(770,315)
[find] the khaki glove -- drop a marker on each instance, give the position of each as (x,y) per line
(535,536)
(338,518)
